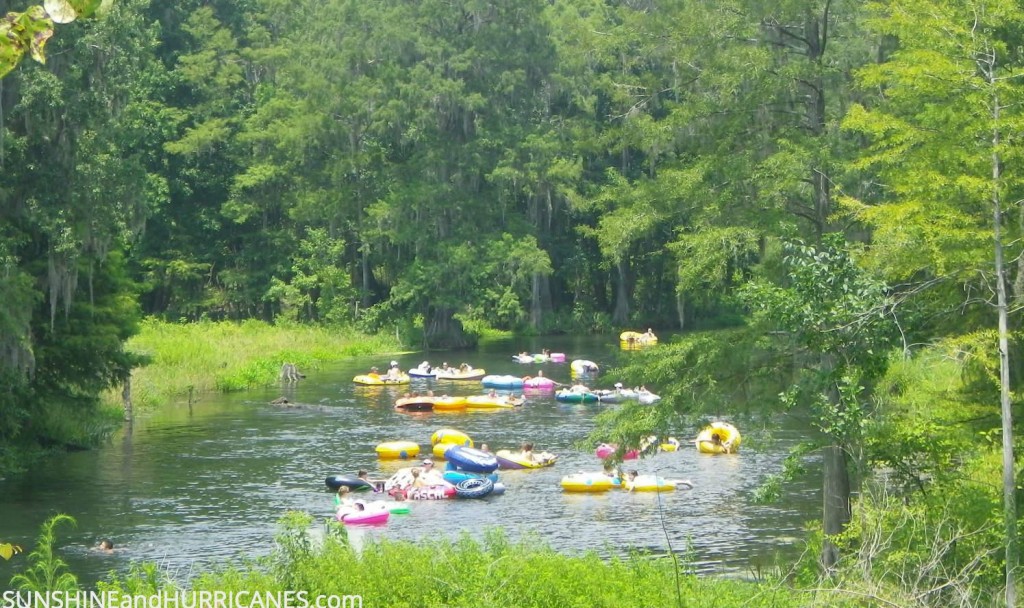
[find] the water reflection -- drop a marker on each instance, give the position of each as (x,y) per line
(193,486)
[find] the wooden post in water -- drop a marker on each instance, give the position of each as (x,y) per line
(126,398)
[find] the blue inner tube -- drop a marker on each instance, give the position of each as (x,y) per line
(336,481)
(474,488)
(471,459)
(506,381)
(455,477)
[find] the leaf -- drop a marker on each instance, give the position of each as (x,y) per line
(60,11)
(8,550)
(39,39)
(11,47)
(85,8)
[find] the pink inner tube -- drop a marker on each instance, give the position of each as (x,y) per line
(374,514)
(366,518)
(539,382)
(558,357)
(605,450)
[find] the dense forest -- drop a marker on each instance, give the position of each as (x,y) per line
(833,184)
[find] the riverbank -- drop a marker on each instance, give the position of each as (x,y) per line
(188,359)
(316,560)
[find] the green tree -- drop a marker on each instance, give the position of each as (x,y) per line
(940,139)
(76,184)
(836,317)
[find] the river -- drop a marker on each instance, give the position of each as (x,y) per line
(188,488)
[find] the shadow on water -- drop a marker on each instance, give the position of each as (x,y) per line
(190,487)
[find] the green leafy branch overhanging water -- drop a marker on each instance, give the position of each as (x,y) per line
(29,30)
(839,319)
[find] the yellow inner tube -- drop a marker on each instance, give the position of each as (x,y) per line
(397,450)
(482,402)
(543,459)
(586,483)
(649,483)
(451,436)
(727,433)
(449,404)
(670,446)
(378,380)
(440,448)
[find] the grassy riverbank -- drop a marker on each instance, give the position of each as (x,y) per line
(194,358)
(494,572)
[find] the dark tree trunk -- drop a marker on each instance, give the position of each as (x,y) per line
(621,314)
(835,487)
(836,511)
(444,331)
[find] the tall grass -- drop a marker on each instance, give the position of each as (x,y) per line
(47,571)
(490,573)
(194,358)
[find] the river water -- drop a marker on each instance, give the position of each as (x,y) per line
(193,487)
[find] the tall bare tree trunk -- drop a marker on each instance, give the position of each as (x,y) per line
(1009,486)
(621,314)
(536,310)
(364,263)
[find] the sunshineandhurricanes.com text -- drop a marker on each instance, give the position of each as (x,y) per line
(176,599)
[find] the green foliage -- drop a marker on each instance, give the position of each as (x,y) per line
(925,420)
(492,572)
(227,356)
(922,553)
(793,466)
(318,290)
(838,313)
(46,570)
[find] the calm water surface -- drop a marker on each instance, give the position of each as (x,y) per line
(187,488)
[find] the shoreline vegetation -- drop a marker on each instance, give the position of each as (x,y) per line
(186,360)
(898,552)
(493,571)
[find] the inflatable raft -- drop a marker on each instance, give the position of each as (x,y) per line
(378,380)
(451,436)
(587,482)
(508,459)
(372,513)
(728,435)
(502,381)
(570,396)
(539,383)
(471,459)
(653,483)
(487,402)
(469,374)
(415,404)
(351,481)
(397,450)
(583,366)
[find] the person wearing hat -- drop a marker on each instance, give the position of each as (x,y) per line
(393,372)
(430,475)
(618,387)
